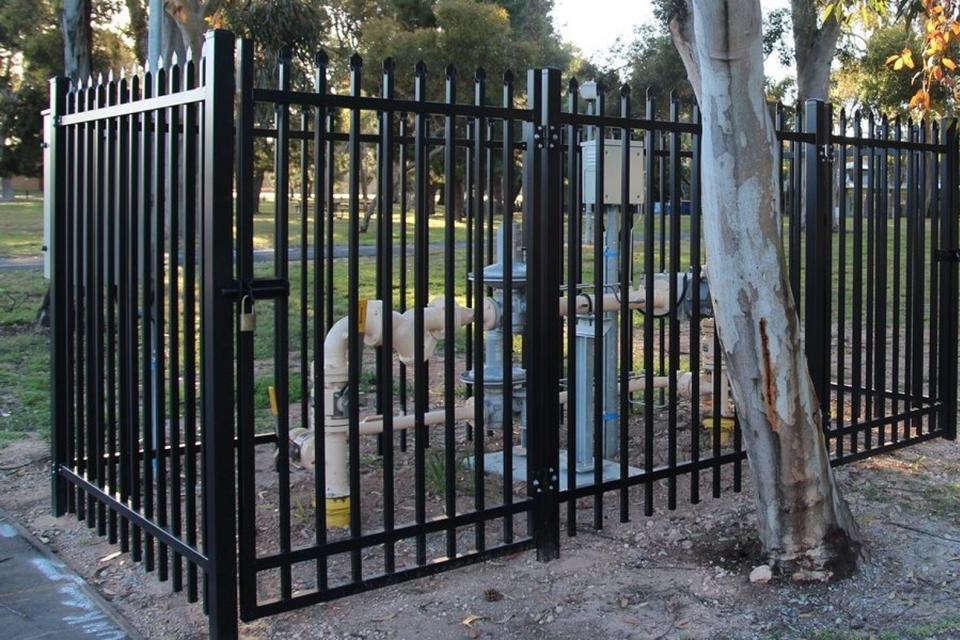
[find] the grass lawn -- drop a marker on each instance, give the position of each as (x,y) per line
(24,394)
(21,227)
(24,355)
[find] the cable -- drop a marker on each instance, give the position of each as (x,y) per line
(676,303)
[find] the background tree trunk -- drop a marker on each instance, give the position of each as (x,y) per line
(191,19)
(259,175)
(805,526)
(139,28)
(7,193)
(814,47)
(77,39)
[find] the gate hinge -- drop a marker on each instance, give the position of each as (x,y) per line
(826,152)
(258,288)
(547,479)
(948,255)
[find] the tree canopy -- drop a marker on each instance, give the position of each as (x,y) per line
(31,52)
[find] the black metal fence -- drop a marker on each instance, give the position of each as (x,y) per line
(539,327)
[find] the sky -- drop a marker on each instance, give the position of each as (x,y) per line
(593,25)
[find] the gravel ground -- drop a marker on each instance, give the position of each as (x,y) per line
(681,574)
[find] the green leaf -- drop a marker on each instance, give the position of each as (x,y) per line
(828,11)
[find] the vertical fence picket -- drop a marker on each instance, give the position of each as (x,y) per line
(191,258)
(281,315)
(321,142)
(696,281)
(506,214)
(481,132)
(574,244)
(385,373)
(897,215)
(948,280)
(650,150)
(420,275)
(626,320)
(673,318)
(449,269)
(123,304)
(599,287)
(353,283)
(841,364)
(109,232)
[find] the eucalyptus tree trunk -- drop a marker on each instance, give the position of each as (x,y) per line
(191,18)
(814,48)
(805,525)
(77,39)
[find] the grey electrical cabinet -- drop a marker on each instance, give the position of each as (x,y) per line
(612,153)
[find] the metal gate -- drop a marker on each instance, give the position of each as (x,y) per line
(524,279)
(393,485)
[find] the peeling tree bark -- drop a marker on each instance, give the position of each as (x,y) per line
(805,526)
(77,39)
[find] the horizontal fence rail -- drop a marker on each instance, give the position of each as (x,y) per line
(466,313)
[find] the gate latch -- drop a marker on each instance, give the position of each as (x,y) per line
(948,255)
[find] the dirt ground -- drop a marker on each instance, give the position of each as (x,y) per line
(681,574)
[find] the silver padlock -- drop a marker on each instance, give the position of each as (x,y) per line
(248,317)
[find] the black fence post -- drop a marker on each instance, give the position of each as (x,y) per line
(948,280)
(217,337)
(817,285)
(544,326)
(59,314)
(246,489)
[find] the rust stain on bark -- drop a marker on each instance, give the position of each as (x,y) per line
(769,381)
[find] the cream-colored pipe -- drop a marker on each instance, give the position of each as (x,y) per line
(335,440)
(684,385)
(336,341)
(585,303)
(374,424)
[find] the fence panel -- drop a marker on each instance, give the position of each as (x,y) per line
(141,210)
(525,277)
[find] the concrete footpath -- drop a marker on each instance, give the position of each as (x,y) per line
(40,597)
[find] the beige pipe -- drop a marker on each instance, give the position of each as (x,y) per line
(584,303)
(374,424)
(684,385)
(335,440)
(336,342)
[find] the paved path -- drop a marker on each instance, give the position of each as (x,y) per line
(11,264)
(259,255)
(40,597)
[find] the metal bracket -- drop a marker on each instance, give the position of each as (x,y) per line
(258,289)
(948,255)
(549,480)
(826,152)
